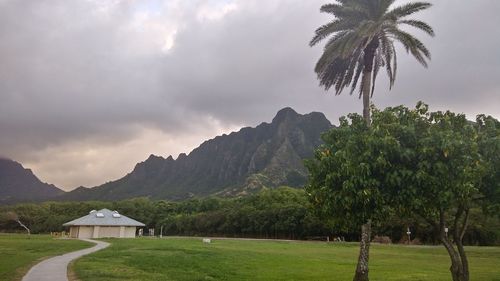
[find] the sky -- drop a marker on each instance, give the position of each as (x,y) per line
(90,88)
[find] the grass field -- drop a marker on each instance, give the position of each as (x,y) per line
(18,252)
(190,259)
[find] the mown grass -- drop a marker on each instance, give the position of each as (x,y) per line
(190,259)
(19,252)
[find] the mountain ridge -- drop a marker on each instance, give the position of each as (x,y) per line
(19,184)
(267,155)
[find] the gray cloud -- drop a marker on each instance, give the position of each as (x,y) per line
(88,88)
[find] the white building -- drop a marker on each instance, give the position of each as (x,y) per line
(103,223)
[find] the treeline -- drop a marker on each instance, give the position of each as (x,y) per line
(283,213)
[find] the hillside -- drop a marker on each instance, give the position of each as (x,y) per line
(18,184)
(270,155)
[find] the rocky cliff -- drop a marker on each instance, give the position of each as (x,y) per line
(270,155)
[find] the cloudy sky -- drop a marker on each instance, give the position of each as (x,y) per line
(89,88)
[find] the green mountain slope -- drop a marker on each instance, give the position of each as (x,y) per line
(270,154)
(18,184)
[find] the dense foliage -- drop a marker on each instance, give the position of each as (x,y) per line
(271,213)
(411,162)
(278,213)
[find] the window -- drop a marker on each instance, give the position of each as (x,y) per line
(99,215)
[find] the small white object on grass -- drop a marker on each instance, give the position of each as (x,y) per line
(207,240)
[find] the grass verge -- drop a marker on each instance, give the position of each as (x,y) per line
(190,259)
(19,252)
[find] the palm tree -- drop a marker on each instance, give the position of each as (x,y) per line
(361,41)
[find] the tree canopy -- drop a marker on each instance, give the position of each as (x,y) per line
(437,165)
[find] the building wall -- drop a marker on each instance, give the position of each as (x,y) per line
(109,231)
(73,232)
(129,232)
(102,231)
(85,231)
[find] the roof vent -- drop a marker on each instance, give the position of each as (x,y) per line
(99,215)
(116,215)
(93,211)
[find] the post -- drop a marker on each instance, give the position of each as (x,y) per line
(161,231)
(408,232)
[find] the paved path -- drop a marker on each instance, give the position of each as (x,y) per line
(55,268)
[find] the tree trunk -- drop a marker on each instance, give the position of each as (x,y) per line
(456,265)
(364,253)
(458,237)
(369,56)
(367,80)
(465,263)
(459,264)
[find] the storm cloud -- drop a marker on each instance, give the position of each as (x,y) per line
(89,88)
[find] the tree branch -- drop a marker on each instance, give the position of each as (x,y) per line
(464,224)
(458,215)
(25,227)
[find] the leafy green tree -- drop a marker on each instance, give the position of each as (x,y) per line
(346,179)
(437,165)
(443,178)
(453,172)
(361,41)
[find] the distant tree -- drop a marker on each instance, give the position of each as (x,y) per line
(14,217)
(361,40)
(437,165)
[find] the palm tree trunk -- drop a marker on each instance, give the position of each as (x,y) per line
(364,253)
(369,56)
(367,80)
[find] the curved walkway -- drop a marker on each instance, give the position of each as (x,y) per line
(55,268)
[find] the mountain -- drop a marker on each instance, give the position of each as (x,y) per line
(270,155)
(18,184)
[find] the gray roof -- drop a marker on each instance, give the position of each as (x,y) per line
(104,217)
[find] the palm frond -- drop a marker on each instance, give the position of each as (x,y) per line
(330,28)
(412,45)
(377,64)
(339,72)
(420,25)
(359,70)
(389,53)
(348,10)
(331,8)
(406,10)
(351,69)
(384,6)
(334,50)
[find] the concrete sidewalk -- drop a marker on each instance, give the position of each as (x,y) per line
(55,268)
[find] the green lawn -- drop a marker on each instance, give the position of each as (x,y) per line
(19,252)
(190,259)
